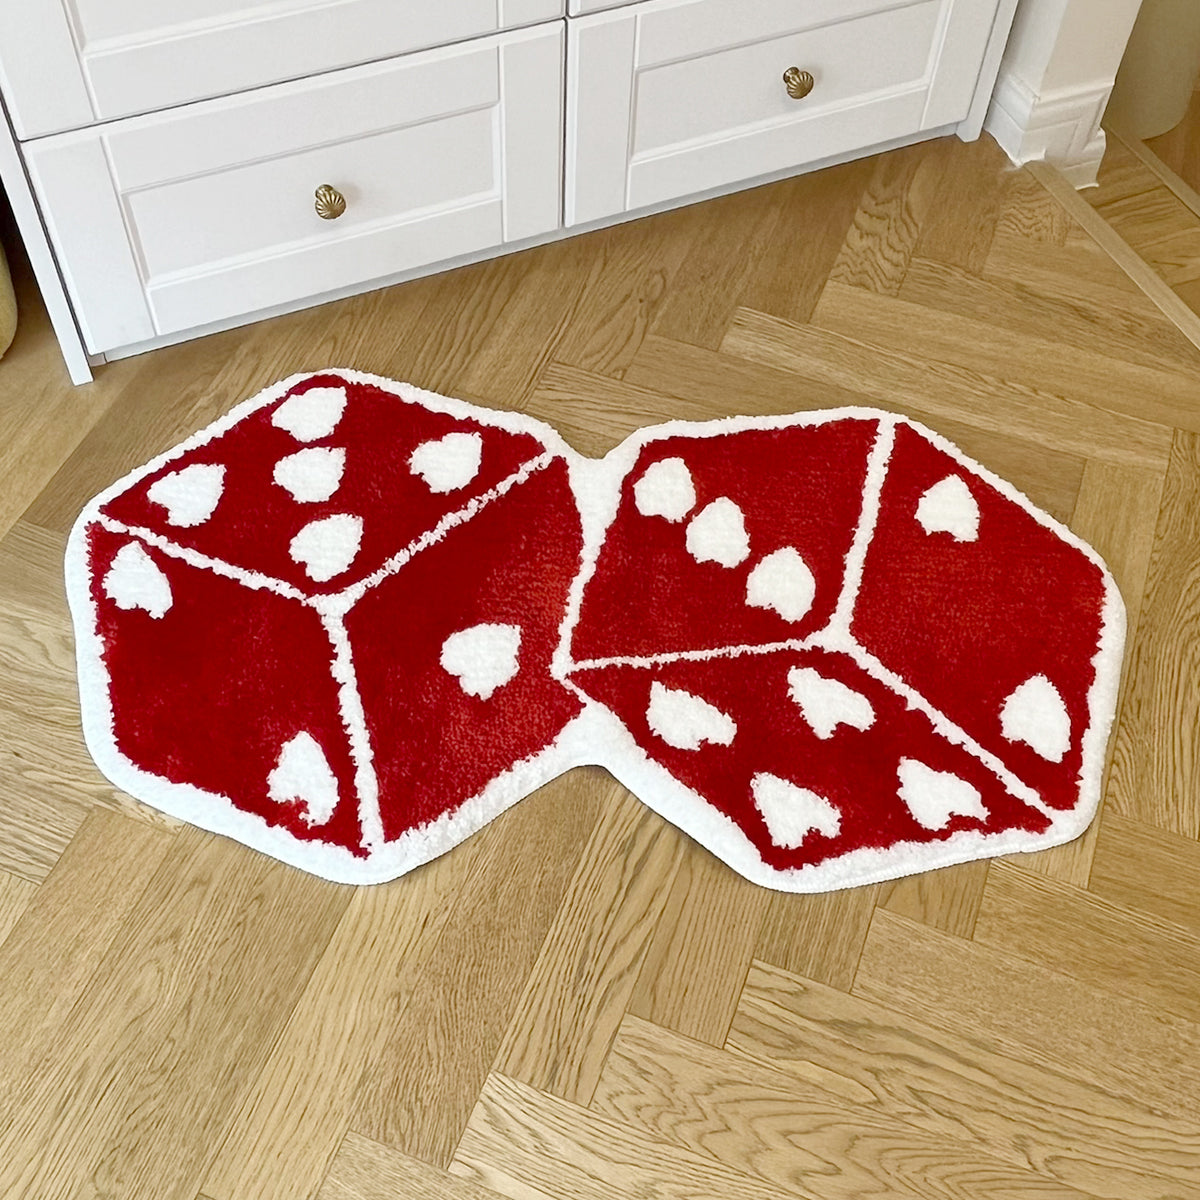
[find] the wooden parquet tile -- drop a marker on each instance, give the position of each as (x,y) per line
(580,1003)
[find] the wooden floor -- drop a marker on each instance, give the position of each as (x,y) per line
(579,1002)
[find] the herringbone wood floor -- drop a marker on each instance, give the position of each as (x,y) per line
(579,1002)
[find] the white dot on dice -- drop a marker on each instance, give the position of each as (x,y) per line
(933,797)
(483,658)
(717,533)
(189,496)
(782,582)
(827,703)
(448,463)
(665,490)
(134,580)
(325,548)
(313,474)
(949,507)
(1036,715)
(303,775)
(312,415)
(791,813)
(686,721)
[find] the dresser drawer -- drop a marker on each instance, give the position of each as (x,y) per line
(68,65)
(205,213)
(672,97)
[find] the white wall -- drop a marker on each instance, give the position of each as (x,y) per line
(1055,80)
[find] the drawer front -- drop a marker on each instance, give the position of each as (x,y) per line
(170,222)
(673,97)
(68,65)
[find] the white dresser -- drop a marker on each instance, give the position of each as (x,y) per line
(199,163)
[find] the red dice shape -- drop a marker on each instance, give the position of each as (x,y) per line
(353,621)
(308,629)
(834,650)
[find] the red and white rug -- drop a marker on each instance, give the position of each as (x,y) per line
(351,622)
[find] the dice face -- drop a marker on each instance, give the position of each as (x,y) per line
(459,690)
(211,679)
(720,540)
(811,758)
(891,661)
(962,597)
(325,485)
(325,625)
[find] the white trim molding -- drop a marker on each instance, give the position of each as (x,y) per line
(1060,127)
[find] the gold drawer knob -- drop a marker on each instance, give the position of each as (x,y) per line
(798,83)
(329,203)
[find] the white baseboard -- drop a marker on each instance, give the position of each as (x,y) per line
(1060,127)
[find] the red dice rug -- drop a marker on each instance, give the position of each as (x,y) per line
(352,621)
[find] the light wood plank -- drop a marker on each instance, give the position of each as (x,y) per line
(1156,755)
(141,1080)
(581,983)
(1149,870)
(290,1123)
(881,241)
(594,412)
(993,350)
(1070,931)
(1165,300)
(933,1078)
(943,390)
(820,209)
(1029,216)
(789,1132)
(525,1144)
(947,900)
(717,267)
(418,1092)
(15,895)
(631,270)
(818,936)
(1033,1014)
(966,207)
(365,1170)
(702,947)
(64,933)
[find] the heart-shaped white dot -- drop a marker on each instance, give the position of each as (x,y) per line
(782,582)
(449,462)
(303,775)
(949,507)
(827,703)
(665,489)
(134,580)
(309,416)
(717,533)
(933,797)
(791,813)
(325,548)
(686,721)
(1036,714)
(190,496)
(483,658)
(311,475)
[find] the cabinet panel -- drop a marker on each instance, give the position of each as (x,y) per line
(682,96)
(65,66)
(207,212)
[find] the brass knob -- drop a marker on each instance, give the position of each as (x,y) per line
(329,203)
(799,83)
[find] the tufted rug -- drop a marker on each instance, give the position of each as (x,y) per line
(352,621)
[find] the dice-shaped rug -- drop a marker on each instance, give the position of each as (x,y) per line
(352,621)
